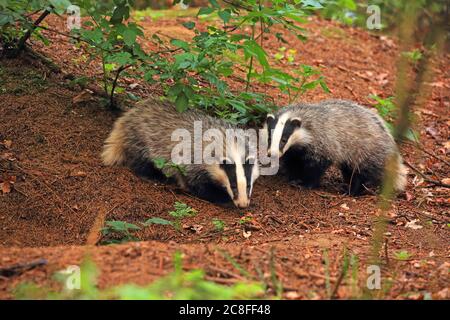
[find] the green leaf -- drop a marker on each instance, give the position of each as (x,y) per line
(189,25)
(225,15)
(60,6)
(121,58)
(182,102)
(159,163)
(121,12)
(129,37)
(205,11)
(156,220)
(252,48)
(180,44)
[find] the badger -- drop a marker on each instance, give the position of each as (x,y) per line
(308,138)
(143,136)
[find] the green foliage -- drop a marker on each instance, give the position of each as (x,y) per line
(119,232)
(414,56)
(193,72)
(218,224)
(112,37)
(168,168)
(177,285)
(15,19)
(402,255)
(388,111)
(160,221)
(181,212)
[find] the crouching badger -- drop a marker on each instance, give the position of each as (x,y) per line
(144,135)
(308,138)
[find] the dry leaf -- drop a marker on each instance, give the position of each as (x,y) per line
(246,234)
(412,224)
(196,228)
(409,196)
(84,96)
(78,174)
(345,206)
(7,144)
(5,187)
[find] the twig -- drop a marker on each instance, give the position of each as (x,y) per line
(425,178)
(416,145)
(26,36)
(20,268)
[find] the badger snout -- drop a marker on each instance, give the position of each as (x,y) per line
(241,203)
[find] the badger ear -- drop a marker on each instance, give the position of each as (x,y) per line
(224,161)
(296,122)
(270,117)
(250,160)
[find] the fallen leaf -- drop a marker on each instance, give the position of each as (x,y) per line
(84,96)
(7,144)
(446,181)
(196,228)
(246,234)
(409,196)
(78,174)
(345,206)
(5,187)
(7,156)
(412,224)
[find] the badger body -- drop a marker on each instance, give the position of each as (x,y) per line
(308,138)
(143,136)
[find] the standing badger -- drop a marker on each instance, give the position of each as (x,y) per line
(308,138)
(144,135)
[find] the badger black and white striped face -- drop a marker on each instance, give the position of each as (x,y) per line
(283,132)
(240,179)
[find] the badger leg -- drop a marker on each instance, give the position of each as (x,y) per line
(146,169)
(304,168)
(359,178)
(205,188)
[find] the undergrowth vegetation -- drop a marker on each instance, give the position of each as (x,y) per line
(177,285)
(192,73)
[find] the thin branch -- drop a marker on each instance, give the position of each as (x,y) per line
(27,35)
(425,178)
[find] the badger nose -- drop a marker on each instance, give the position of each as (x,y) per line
(242,204)
(269,153)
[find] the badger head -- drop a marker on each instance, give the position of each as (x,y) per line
(236,173)
(282,132)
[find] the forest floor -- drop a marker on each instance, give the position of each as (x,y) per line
(61,194)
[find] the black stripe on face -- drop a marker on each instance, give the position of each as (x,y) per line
(230,171)
(248,170)
(289,128)
(271,124)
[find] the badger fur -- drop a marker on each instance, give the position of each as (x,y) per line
(308,138)
(144,134)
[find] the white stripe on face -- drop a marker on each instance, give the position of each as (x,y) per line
(241,200)
(277,134)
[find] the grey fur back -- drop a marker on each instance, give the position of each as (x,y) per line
(343,131)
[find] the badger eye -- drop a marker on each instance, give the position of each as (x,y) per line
(284,140)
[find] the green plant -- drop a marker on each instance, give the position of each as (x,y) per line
(113,38)
(17,24)
(177,285)
(181,212)
(218,224)
(119,232)
(198,69)
(402,255)
(388,111)
(414,55)
(169,168)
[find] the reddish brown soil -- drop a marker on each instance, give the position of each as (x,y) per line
(62,193)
